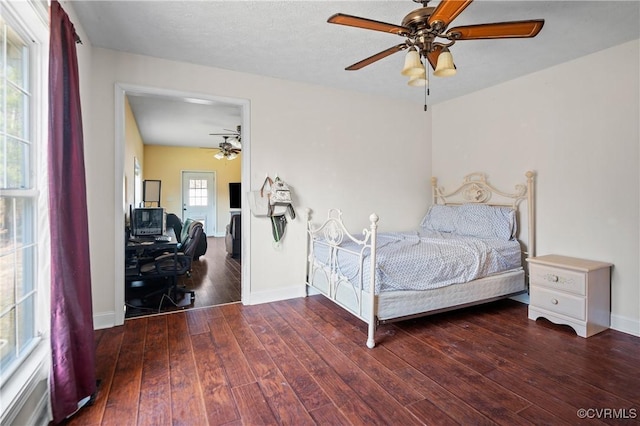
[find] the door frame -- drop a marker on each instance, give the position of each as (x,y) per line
(121,90)
(214,197)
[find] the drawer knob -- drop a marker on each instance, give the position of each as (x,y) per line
(554,301)
(553,278)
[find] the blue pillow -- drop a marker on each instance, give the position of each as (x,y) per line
(472,220)
(440,218)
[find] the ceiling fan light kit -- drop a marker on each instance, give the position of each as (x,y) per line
(412,64)
(425,28)
(445,66)
(419,80)
(231,146)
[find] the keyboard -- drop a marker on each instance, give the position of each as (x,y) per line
(163,238)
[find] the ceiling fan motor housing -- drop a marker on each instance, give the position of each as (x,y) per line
(422,34)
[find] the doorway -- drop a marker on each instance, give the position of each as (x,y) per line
(120,189)
(199,199)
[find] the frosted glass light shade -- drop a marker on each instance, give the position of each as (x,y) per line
(412,64)
(445,66)
(419,80)
(219,155)
(232,156)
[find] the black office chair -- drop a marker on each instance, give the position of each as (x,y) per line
(174,222)
(169,265)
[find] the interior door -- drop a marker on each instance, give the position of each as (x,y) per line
(198,199)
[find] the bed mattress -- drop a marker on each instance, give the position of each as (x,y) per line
(399,304)
(420,260)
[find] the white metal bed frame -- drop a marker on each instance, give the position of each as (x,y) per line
(368,306)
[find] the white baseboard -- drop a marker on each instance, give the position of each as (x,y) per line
(104,320)
(259,297)
(312,291)
(625,325)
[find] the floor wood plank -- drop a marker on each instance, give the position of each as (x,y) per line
(234,362)
(216,391)
(187,405)
(155,407)
(124,394)
(252,405)
(304,361)
(300,380)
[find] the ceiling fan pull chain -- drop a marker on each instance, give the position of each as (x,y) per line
(426,86)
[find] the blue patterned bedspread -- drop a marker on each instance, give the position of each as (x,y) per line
(423,260)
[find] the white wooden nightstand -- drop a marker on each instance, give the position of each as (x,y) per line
(571,291)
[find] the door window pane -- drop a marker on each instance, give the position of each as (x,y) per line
(198,192)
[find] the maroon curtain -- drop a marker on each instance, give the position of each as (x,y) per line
(73,376)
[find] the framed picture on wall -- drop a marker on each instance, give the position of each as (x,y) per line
(151,191)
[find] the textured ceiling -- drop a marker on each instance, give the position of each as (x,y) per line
(292,40)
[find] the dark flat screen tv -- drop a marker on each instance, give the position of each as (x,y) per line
(235,195)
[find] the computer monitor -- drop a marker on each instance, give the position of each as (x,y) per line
(148,221)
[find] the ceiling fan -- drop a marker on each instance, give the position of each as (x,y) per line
(231,137)
(426,36)
(227,150)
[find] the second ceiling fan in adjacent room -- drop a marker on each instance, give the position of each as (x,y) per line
(232,144)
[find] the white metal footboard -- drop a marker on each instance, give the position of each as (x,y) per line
(324,275)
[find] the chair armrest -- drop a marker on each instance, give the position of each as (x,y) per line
(165,256)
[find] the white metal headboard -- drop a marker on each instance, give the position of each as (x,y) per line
(476,189)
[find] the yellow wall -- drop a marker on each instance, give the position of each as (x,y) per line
(166,163)
(133,148)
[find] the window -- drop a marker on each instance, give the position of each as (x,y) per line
(17,202)
(24,241)
(198,192)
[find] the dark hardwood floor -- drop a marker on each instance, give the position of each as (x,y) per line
(215,279)
(304,361)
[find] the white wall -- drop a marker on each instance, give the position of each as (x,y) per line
(576,125)
(335,148)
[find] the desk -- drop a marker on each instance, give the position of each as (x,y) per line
(139,249)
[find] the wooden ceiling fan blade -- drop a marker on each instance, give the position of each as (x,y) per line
(371,59)
(514,29)
(447,11)
(367,24)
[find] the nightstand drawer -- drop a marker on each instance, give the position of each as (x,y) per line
(559,279)
(565,304)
